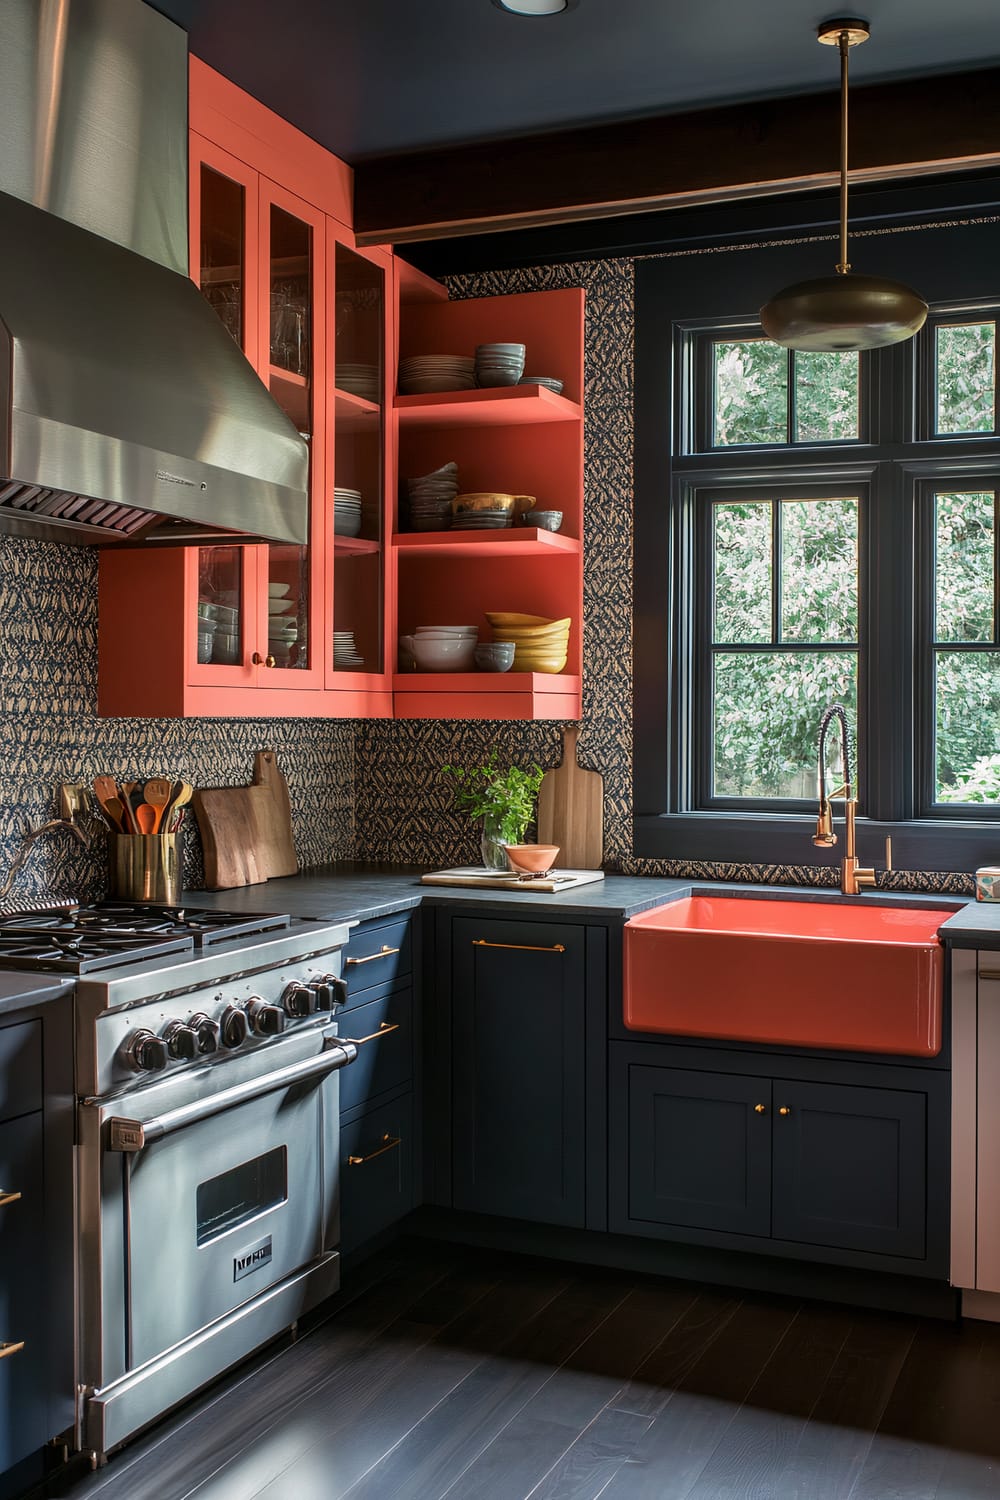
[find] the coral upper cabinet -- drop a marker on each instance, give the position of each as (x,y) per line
(269,630)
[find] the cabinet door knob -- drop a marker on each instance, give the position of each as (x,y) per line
(783,1109)
(267,661)
(760,1109)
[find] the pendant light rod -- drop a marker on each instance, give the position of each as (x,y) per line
(844,35)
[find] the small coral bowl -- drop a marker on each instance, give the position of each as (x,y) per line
(531,859)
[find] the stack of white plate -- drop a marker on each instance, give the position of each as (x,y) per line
(345,653)
(423,373)
(346,511)
(430,498)
(359,379)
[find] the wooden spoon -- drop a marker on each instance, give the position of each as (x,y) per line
(146,817)
(114,807)
(159,793)
(106,792)
(183,792)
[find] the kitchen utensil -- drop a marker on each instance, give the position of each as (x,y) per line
(277,824)
(159,791)
(571,808)
(232,821)
(182,794)
(146,818)
(106,792)
(114,808)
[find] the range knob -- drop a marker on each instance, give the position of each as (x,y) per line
(207,1032)
(331,991)
(181,1040)
(299,1000)
(265,1020)
(145,1053)
(234,1026)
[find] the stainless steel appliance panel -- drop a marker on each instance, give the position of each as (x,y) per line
(266,1154)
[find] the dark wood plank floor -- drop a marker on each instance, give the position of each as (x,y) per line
(447,1372)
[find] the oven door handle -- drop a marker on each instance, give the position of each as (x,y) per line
(133,1135)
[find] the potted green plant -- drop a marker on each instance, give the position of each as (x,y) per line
(503,798)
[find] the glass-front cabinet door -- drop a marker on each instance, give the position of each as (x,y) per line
(225,263)
(356,509)
(293,320)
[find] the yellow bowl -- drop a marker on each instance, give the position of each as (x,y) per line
(539,663)
(534,632)
(500,617)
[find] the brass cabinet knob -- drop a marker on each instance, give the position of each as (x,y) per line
(267,661)
(760,1109)
(784,1110)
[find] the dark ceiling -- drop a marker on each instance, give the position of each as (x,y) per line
(375,77)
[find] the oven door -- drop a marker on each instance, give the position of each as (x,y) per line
(232,1189)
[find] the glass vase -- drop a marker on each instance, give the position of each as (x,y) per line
(493,846)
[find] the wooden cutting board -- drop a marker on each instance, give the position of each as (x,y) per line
(571,810)
(281,846)
(235,824)
(557,880)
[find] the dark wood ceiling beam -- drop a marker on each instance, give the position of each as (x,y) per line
(771,146)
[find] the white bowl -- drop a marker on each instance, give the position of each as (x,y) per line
(278,590)
(456,630)
(454,654)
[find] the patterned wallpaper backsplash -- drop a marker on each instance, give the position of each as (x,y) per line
(369,790)
(50,732)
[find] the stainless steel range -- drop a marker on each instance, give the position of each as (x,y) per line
(207,1063)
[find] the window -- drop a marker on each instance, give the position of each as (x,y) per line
(813,528)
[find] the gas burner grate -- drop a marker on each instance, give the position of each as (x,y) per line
(80,953)
(124,921)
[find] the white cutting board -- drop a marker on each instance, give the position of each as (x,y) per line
(555,880)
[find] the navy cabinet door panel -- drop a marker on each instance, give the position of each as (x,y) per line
(698,1149)
(386,1062)
(20,1069)
(850,1167)
(377,953)
(519,1046)
(376,1172)
(24,1378)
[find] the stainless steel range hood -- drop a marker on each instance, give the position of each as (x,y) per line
(127,412)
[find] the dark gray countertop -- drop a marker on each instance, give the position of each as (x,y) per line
(18,991)
(365,891)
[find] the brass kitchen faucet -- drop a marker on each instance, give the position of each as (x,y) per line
(853,877)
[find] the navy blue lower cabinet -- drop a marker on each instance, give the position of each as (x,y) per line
(24,1375)
(802,1157)
(376,1172)
(699,1150)
(519,1027)
(850,1167)
(384,1064)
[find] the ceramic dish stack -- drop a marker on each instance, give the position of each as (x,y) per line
(358,379)
(430,498)
(549,381)
(444,648)
(540,645)
(499,364)
(346,511)
(423,374)
(346,657)
(282,626)
(226,648)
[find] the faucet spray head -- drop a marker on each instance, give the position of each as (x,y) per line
(824,836)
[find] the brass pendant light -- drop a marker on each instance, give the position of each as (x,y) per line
(845,311)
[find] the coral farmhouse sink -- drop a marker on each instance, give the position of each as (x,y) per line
(796,973)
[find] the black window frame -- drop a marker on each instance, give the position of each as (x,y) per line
(952,265)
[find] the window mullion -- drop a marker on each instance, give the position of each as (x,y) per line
(776,571)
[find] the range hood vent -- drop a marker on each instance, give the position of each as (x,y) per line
(127,412)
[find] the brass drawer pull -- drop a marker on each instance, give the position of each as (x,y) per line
(384,1030)
(6,1198)
(6,1350)
(389,1143)
(760,1109)
(520,947)
(370,958)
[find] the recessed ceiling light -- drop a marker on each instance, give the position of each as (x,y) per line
(534,7)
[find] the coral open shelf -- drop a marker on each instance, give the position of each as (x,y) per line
(486,695)
(498,405)
(355,546)
(522,541)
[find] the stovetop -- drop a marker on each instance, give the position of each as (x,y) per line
(107,934)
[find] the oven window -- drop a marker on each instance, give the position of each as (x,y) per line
(241,1194)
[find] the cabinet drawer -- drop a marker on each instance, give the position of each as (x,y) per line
(386,1061)
(376,1172)
(20,1069)
(377,954)
(24,1376)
